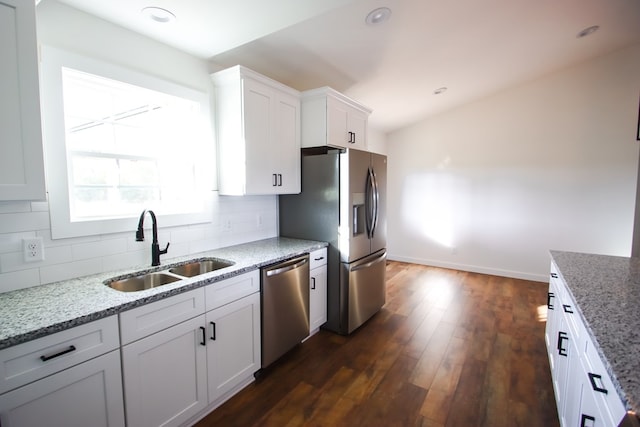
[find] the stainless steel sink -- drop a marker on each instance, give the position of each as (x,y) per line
(159,278)
(146,281)
(200,267)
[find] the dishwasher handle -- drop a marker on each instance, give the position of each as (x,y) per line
(296,263)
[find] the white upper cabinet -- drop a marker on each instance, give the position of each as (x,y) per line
(330,118)
(21,162)
(258,130)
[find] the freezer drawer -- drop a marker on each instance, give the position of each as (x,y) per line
(285,307)
(363,290)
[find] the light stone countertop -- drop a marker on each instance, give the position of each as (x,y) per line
(32,313)
(606,291)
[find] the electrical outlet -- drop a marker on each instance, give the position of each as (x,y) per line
(226,225)
(33,249)
(259,222)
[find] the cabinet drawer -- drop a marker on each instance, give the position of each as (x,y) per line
(44,356)
(317,258)
(154,317)
(234,288)
(600,384)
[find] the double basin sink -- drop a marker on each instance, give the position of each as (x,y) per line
(173,274)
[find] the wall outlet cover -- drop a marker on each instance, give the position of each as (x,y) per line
(33,249)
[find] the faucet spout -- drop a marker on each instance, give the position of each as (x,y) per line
(155,247)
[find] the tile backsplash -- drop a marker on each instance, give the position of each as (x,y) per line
(234,220)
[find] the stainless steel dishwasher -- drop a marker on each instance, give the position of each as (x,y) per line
(285,307)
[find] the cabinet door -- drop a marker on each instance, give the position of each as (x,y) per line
(88,394)
(287,139)
(346,126)
(21,158)
(233,344)
(337,119)
(165,375)
(357,125)
(260,152)
(318,298)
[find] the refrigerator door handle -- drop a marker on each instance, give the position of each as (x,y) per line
(376,202)
(378,259)
(372,200)
(369,208)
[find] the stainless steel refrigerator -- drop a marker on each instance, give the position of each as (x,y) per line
(343,202)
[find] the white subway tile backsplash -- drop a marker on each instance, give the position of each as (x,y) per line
(81,256)
(125,260)
(25,221)
(98,248)
(19,280)
(14,207)
(12,242)
(40,206)
(58,272)
(14,261)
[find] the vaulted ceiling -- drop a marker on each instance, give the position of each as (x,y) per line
(473,48)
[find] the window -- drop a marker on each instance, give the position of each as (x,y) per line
(119,142)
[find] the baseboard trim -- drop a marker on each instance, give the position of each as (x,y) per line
(471,268)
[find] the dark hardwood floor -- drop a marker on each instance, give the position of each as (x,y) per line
(449,348)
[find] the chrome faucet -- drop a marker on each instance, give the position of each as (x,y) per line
(155,248)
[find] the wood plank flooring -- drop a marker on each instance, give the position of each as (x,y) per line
(449,348)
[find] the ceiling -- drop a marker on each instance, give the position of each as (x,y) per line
(474,48)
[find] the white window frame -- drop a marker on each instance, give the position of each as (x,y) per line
(52,105)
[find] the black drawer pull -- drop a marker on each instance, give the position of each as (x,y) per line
(58,354)
(319,258)
(313,283)
(554,275)
(213,331)
(550,295)
(567,308)
(594,386)
(204,336)
(561,337)
(585,418)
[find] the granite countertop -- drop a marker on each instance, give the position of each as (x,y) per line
(31,313)
(606,290)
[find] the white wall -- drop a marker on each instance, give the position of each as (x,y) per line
(234,219)
(492,186)
(376,141)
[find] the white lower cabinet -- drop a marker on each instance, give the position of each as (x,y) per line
(165,375)
(70,378)
(176,374)
(233,347)
(584,391)
(318,291)
(88,394)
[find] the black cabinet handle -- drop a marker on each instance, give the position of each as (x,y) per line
(318,259)
(585,418)
(204,337)
(567,308)
(46,357)
(561,337)
(279,180)
(594,386)
(550,295)
(352,137)
(554,275)
(213,331)
(313,283)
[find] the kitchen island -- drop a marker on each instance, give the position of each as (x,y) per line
(605,293)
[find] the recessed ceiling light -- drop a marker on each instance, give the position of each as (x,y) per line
(378,16)
(440,90)
(159,14)
(588,31)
